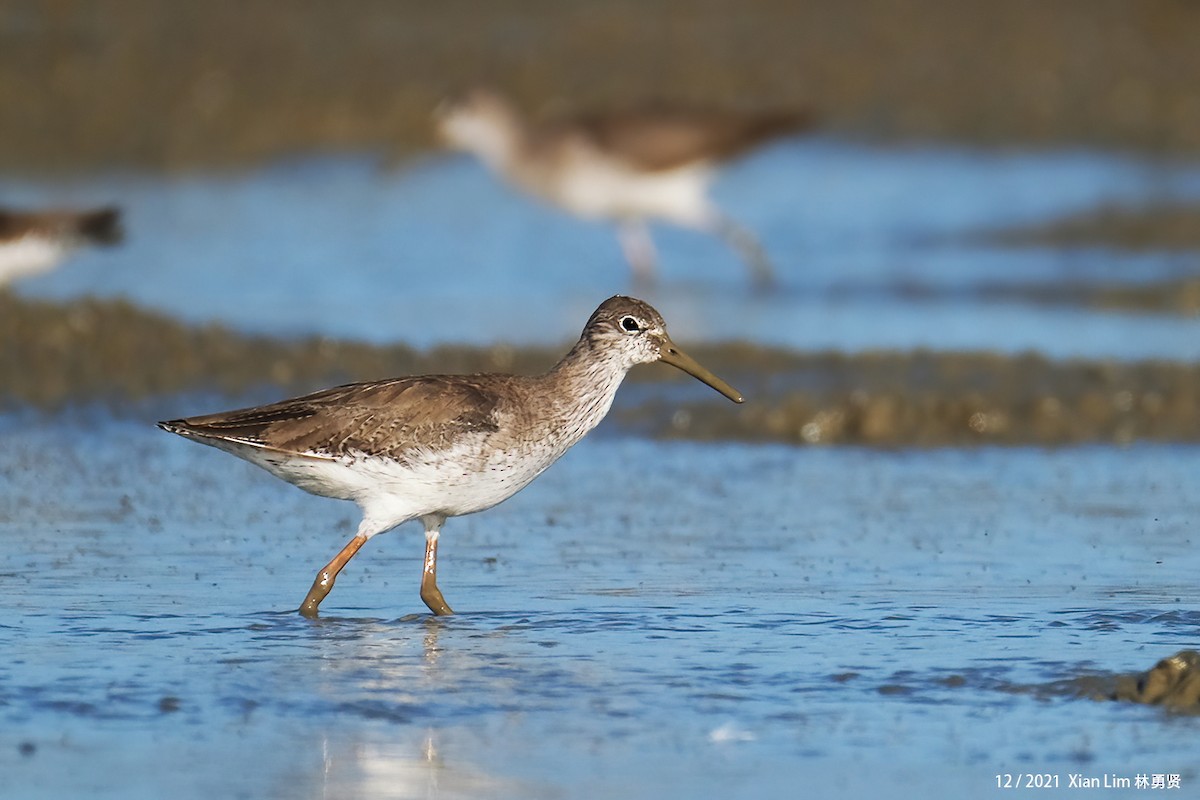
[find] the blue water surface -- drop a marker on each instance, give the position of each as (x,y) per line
(436,250)
(646,620)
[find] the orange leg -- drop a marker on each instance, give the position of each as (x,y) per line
(326,577)
(430,593)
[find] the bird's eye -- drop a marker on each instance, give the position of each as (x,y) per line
(630,324)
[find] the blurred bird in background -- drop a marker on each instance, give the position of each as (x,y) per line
(32,242)
(630,166)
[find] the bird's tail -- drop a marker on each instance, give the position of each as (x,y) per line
(176,426)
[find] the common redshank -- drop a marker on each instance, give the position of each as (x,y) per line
(439,446)
(629,167)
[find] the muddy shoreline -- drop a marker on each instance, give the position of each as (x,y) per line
(148,84)
(89,352)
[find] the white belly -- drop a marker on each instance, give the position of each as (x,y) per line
(29,255)
(604,189)
(450,483)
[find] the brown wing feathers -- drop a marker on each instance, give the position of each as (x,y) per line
(663,138)
(386,418)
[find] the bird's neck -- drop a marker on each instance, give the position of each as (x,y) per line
(504,144)
(584,384)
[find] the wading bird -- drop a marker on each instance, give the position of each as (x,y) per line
(32,242)
(440,446)
(629,167)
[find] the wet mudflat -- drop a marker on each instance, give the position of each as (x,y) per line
(60,355)
(143,83)
(709,619)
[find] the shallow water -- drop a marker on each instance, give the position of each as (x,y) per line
(875,248)
(645,619)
